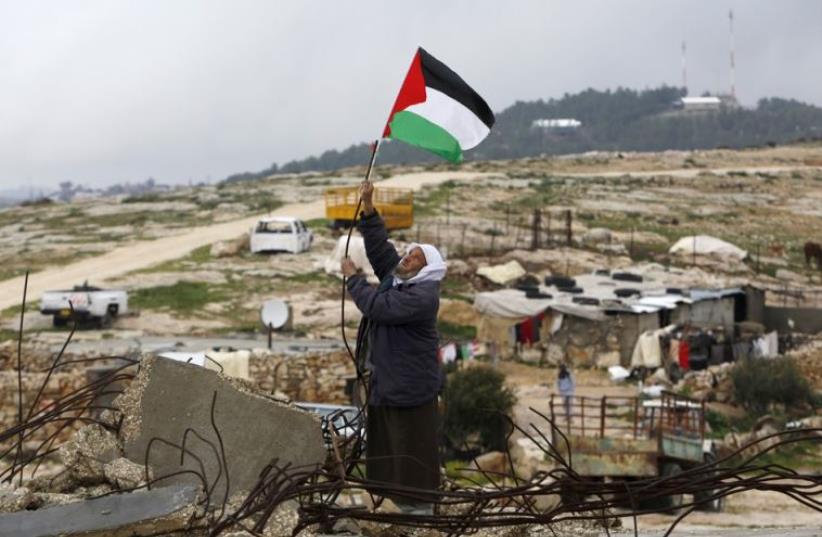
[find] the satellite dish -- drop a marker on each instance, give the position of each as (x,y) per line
(274,313)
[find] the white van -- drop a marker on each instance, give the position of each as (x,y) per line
(281,234)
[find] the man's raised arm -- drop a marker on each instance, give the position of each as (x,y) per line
(381,254)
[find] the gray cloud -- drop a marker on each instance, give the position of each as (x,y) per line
(103,92)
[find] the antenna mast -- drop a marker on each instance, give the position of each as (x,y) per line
(684,71)
(733,63)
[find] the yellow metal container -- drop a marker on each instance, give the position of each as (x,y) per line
(395,205)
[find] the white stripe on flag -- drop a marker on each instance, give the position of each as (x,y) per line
(452,116)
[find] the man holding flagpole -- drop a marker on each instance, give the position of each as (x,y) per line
(401,346)
(438,111)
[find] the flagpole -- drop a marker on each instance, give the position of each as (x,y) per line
(376,145)
(360,375)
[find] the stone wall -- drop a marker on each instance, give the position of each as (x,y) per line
(805,320)
(59,385)
(586,343)
(316,378)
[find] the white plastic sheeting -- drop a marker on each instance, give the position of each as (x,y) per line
(707,245)
(502,274)
(356,251)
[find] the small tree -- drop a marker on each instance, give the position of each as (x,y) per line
(760,382)
(477,403)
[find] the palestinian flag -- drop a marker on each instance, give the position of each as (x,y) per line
(437,111)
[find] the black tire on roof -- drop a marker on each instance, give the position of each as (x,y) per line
(560,281)
(626,277)
(571,290)
(626,292)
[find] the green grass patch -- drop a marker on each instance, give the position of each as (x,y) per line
(6,334)
(456,288)
(196,256)
(143,198)
(459,472)
(722,425)
(317,277)
(432,200)
(805,454)
(182,297)
(456,331)
(318,223)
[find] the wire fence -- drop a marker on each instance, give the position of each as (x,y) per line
(494,236)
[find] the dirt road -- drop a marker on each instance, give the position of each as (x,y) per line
(144,254)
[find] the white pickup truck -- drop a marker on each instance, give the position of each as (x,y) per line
(91,304)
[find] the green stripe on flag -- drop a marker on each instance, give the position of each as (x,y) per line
(418,131)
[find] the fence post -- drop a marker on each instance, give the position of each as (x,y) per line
(636,416)
(693,253)
(535,225)
(757,257)
(602,418)
(568,233)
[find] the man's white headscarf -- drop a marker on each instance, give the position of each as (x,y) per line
(434,269)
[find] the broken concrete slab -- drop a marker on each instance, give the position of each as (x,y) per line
(168,398)
(145,512)
(87,453)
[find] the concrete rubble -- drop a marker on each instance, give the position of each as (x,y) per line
(711,384)
(253,429)
(96,461)
(141,513)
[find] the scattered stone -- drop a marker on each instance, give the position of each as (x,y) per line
(790,276)
(230,248)
(125,474)
(528,458)
(597,235)
(15,499)
(494,463)
(87,453)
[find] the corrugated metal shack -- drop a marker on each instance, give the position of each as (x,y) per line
(596,319)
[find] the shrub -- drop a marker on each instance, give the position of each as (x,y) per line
(760,383)
(477,403)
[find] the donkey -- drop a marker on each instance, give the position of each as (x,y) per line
(813,250)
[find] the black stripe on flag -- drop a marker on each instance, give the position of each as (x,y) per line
(440,77)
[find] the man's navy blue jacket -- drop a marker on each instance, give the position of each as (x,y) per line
(403,336)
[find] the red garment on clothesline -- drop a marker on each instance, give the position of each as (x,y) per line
(684,355)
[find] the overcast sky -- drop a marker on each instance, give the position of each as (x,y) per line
(102,92)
